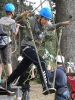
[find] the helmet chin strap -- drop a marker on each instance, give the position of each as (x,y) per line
(12,14)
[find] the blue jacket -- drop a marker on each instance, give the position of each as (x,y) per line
(60,80)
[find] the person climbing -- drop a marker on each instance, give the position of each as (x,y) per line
(28,48)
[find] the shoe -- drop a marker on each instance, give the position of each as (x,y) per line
(8,89)
(50,90)
(45,91)
(3,86)
(26,87)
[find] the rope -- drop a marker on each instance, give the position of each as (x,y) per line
(58,50)
(8,28)
(31,12)
(28,77)
(16,81)
(28,24)
(15,46)
(39,5)
(58,42)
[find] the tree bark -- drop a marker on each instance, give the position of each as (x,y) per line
(19,37)
(65,10)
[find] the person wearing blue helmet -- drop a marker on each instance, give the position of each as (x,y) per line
(5,45)
(10,8)
(28,50)
(46,12)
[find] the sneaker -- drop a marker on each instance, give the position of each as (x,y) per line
(45,92)
(50,90)
(9,89)
(26,87)
(3,86)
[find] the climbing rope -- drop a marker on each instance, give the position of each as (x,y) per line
(8,30)
(28,24)
(28,78)
(31,12)
(58,39)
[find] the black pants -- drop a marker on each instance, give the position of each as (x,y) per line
(30,57)
(24,76)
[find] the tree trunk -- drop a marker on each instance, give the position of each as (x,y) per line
(14,55)
(19,37)
(65,10)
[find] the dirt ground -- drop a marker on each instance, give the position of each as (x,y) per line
(36,93)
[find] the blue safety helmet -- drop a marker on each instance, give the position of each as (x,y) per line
(46,12)
(9,7)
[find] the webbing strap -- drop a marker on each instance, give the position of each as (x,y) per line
(3,34)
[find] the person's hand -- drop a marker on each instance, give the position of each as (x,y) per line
(25,13)
(49,67)
(18,25)
(32,76)
(66,23)
(69,70)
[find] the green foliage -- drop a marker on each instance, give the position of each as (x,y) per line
(49,43)
(9,1)
(37,80)
(4,73)
(2,7)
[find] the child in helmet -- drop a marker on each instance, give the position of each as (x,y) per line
(28,49)
(5,41)
(62,92)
